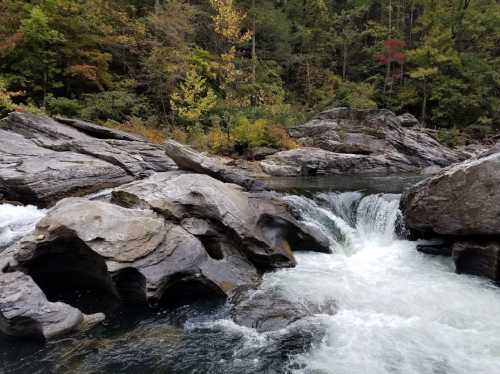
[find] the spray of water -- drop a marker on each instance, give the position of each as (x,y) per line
(16,221)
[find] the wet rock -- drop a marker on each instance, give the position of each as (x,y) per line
(42,160)
(25,311)
(435,248)
(265,311)
(359,141)
(461,200)
(478,257)
(190,160)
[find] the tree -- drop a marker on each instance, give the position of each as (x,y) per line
(193,99)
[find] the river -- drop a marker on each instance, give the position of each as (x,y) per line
(397,311)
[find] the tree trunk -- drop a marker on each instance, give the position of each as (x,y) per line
(424,103)
(253,99)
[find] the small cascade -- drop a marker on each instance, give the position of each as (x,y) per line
(349,219)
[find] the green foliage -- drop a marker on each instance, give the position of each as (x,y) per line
(117,106)
(208,65)
(450,137)
(356,95)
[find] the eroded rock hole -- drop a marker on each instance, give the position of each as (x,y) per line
(213,246)
(67,270)
(279,232)
(131,285)
(191,290)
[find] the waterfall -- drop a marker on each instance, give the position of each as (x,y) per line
(349,219)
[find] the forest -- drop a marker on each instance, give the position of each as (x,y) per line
(228,75)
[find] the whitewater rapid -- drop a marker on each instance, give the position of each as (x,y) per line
(399,311)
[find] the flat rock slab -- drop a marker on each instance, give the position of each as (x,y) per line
(42,160)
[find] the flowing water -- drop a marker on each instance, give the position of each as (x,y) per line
(398,311)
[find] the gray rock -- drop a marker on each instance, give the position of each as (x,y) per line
(261,225)
(478,257)
(435,248)
(25,311)
(461,200)
(408,120)
(359,141)
(42,160)
(265,311)
(190,160)
(260,153)
(310,161)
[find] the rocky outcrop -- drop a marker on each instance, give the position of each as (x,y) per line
(309,161)
(43,160)
(190,160)
(360,142)
(461,203)
(167,238)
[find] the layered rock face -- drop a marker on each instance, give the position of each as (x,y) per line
(169,237)
(43,160)
(351,141)
(461,203)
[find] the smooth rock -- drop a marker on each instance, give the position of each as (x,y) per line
(259,224)
(461,200)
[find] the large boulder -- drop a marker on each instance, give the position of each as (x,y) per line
(260,223)
(461,204)
(360,141)
(188,159)
(461,200)
(43,160)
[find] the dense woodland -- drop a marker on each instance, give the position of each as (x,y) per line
(227,75)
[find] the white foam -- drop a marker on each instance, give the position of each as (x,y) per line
(16,221)
(400,311)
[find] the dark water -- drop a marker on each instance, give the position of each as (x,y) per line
(189,339)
